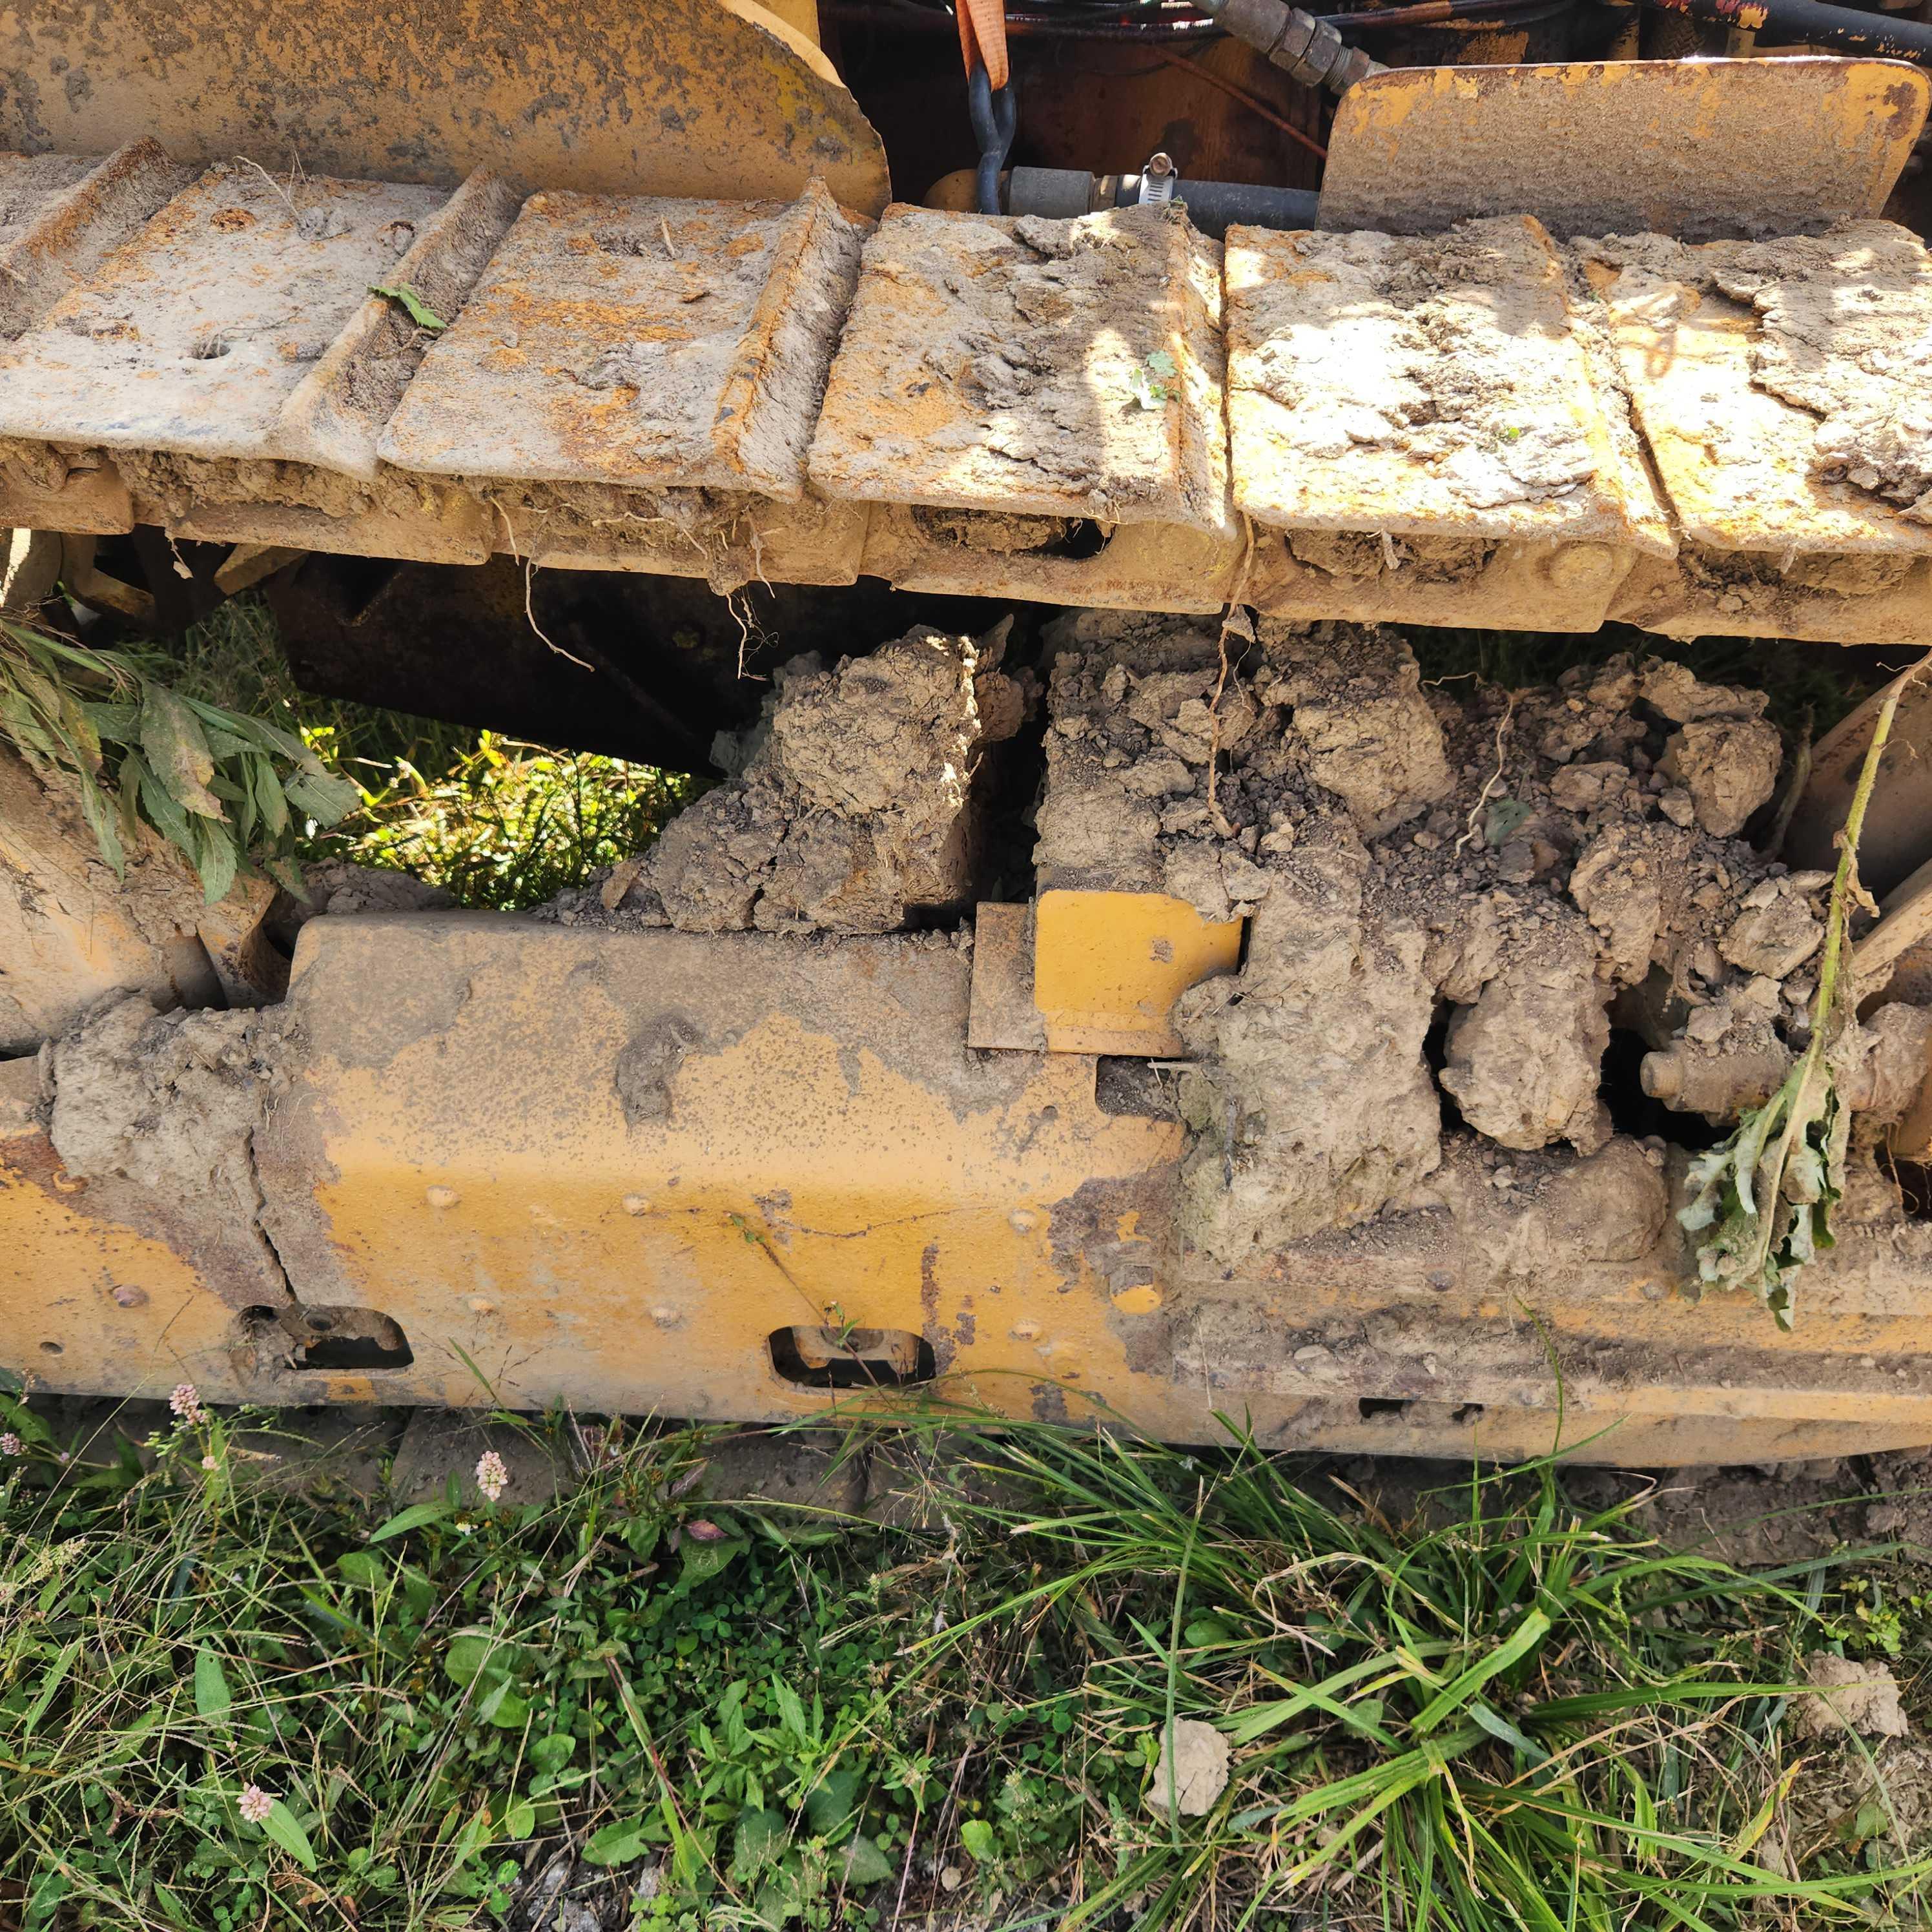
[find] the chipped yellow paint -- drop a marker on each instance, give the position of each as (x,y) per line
(89,1302)
(1107,968)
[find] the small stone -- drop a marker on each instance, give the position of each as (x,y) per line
(1193,1765)
(951,1878)
(1516,862)
(1676,806)
(1847,1696)
(1583,788)
(1729,767)
(1707,1025)
(1773,936)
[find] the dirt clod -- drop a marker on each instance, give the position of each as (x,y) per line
(852,800)
(1550,995)
(1507,865)
(1847,1696)
(1192,1771)
(172,1103)
(1311,1107)
(1729,767)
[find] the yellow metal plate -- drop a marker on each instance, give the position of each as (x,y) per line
(1681,147)
(1107,968)
(676,97)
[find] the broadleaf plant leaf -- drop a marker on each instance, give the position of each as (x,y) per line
(177,750)
(406,298)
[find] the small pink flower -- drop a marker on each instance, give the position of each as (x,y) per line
(255,1805)
(492,1475)
(10,1444)
(186,1403)
(209,1463)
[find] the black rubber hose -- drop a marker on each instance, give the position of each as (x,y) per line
(995,113)
(1215,206)
(1844,28)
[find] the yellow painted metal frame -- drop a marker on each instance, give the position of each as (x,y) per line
(1092,972)
(608,1168)
(1619,147)
(719,98)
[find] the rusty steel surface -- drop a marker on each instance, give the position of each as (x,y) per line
(1693,148)
(680,97)
(625,1170)
(63,212)
(1897,839)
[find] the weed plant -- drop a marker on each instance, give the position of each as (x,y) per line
(225,1704)
(495,821)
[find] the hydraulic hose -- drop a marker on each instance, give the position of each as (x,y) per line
(1212,206)
(995,113)
(1307,49)
(1845,29)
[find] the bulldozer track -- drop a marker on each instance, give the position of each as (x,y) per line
(1116,411)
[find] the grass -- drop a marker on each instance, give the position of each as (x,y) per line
(1517,1713)
(495,821)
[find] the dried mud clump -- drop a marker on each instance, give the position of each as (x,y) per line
(1312,1104)
(1849,1695)
(1842,328)
(170,1104)
(1517,873)
(851,800)
(1435,346)
(1847,335)
(71,932)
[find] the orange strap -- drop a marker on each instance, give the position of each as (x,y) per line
(983,37)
